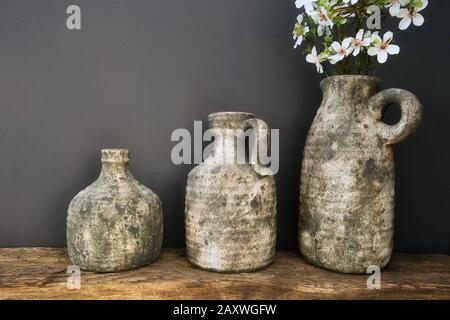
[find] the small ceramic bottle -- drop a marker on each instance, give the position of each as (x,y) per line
(230,212)
(116,223)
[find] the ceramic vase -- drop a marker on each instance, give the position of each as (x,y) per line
(230,208)
(346,221)
(116,223)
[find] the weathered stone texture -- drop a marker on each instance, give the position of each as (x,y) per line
(230,212)
(346,218)
(116,223)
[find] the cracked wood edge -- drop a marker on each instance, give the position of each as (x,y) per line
(40,273)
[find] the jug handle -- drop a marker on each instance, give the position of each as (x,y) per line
(262,132)
(411,114)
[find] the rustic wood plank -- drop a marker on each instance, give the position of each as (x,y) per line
(40,273)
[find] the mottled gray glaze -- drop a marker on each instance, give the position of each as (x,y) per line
(116,223)
(230,212)
(347,183)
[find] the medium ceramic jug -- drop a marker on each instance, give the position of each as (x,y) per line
(116,223)
(230,212)
(347,181)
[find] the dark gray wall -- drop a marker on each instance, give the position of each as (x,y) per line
(139,69)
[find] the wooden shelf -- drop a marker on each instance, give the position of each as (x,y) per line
(40,273)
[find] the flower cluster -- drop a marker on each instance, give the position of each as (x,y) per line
(342,36)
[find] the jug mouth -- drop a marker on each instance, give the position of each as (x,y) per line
(228,119)
(350,78)
(115,155)
(350,82)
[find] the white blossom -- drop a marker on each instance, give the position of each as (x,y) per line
(341,50)
(395,5)
(382,48)
(359,41)
(313,57)
(333,31)
(412,14)
(371,35)
(322,19)
(299,31)
(308,4)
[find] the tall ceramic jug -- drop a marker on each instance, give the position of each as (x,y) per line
(116,223)
(347,182)
(230,212)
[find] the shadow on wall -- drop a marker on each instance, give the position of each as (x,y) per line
(171,189)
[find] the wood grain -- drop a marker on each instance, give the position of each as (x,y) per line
(40,273)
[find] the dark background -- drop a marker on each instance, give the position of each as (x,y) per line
(140,69)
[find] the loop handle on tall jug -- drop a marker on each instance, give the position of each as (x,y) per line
(411,117)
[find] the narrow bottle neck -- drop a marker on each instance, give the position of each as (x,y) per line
(229,146)
(114,170)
